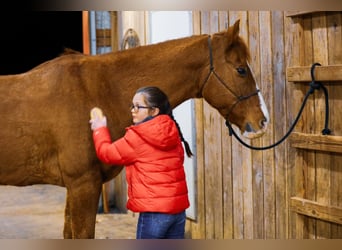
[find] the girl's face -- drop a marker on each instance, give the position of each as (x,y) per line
(140,110)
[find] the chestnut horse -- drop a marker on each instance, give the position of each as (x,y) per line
(45,137)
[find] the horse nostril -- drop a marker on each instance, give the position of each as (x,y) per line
(249,128)
(263,122)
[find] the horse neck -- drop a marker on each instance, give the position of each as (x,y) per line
(178,66)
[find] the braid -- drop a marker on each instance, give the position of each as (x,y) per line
(155,97)
(186,144)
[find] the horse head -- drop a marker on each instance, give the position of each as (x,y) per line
(230,86)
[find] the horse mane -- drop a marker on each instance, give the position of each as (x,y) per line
(69,51)
(174,44)
(65,52)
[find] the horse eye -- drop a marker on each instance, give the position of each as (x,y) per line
(242,71)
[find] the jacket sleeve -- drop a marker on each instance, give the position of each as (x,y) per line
(118,152)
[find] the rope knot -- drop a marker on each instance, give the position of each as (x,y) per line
(314,86)
(326,131)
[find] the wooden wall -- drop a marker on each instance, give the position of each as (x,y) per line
(242,194)
(316,191)
(291,191)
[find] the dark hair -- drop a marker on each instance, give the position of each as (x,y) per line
(155,97)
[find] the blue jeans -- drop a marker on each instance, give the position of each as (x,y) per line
(161,226)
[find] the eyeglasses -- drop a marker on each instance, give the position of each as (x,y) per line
(136,108)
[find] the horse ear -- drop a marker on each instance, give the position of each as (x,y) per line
(233,32)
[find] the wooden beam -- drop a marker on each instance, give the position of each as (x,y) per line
(294,13)
(316,210)
(322,73)
(328,143)
(114,30)
(85,32)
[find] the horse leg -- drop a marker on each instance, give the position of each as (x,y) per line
(67,232)
(81,209)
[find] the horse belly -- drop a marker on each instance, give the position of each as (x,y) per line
(29,152)
(28,156)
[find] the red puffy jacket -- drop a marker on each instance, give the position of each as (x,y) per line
(153,155)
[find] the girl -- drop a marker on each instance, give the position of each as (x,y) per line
(152,152)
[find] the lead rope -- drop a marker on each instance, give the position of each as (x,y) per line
(313,86)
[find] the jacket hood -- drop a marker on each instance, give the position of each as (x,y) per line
(160,132)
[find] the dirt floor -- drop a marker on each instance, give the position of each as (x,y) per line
(37,212)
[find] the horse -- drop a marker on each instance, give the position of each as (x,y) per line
(45,137)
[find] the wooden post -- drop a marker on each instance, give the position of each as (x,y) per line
(85,32)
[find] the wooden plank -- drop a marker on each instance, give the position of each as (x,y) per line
(257,156)
(267,85)
(320,49)
(280,128)
(322,73)
(308,158)
(334,24)
(198,227)
(327,143)
(227,176)
(223,20)
(212,154)
(85,32)
(114,18)
(247,175)
(294,13)
(208,212)
(237,168)
(294,49)
(316,210)
(242,163)
(215,160)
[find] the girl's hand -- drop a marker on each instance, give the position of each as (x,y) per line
(97,119)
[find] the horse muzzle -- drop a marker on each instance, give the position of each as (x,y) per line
(251,133)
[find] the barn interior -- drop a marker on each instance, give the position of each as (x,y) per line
(290,192)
